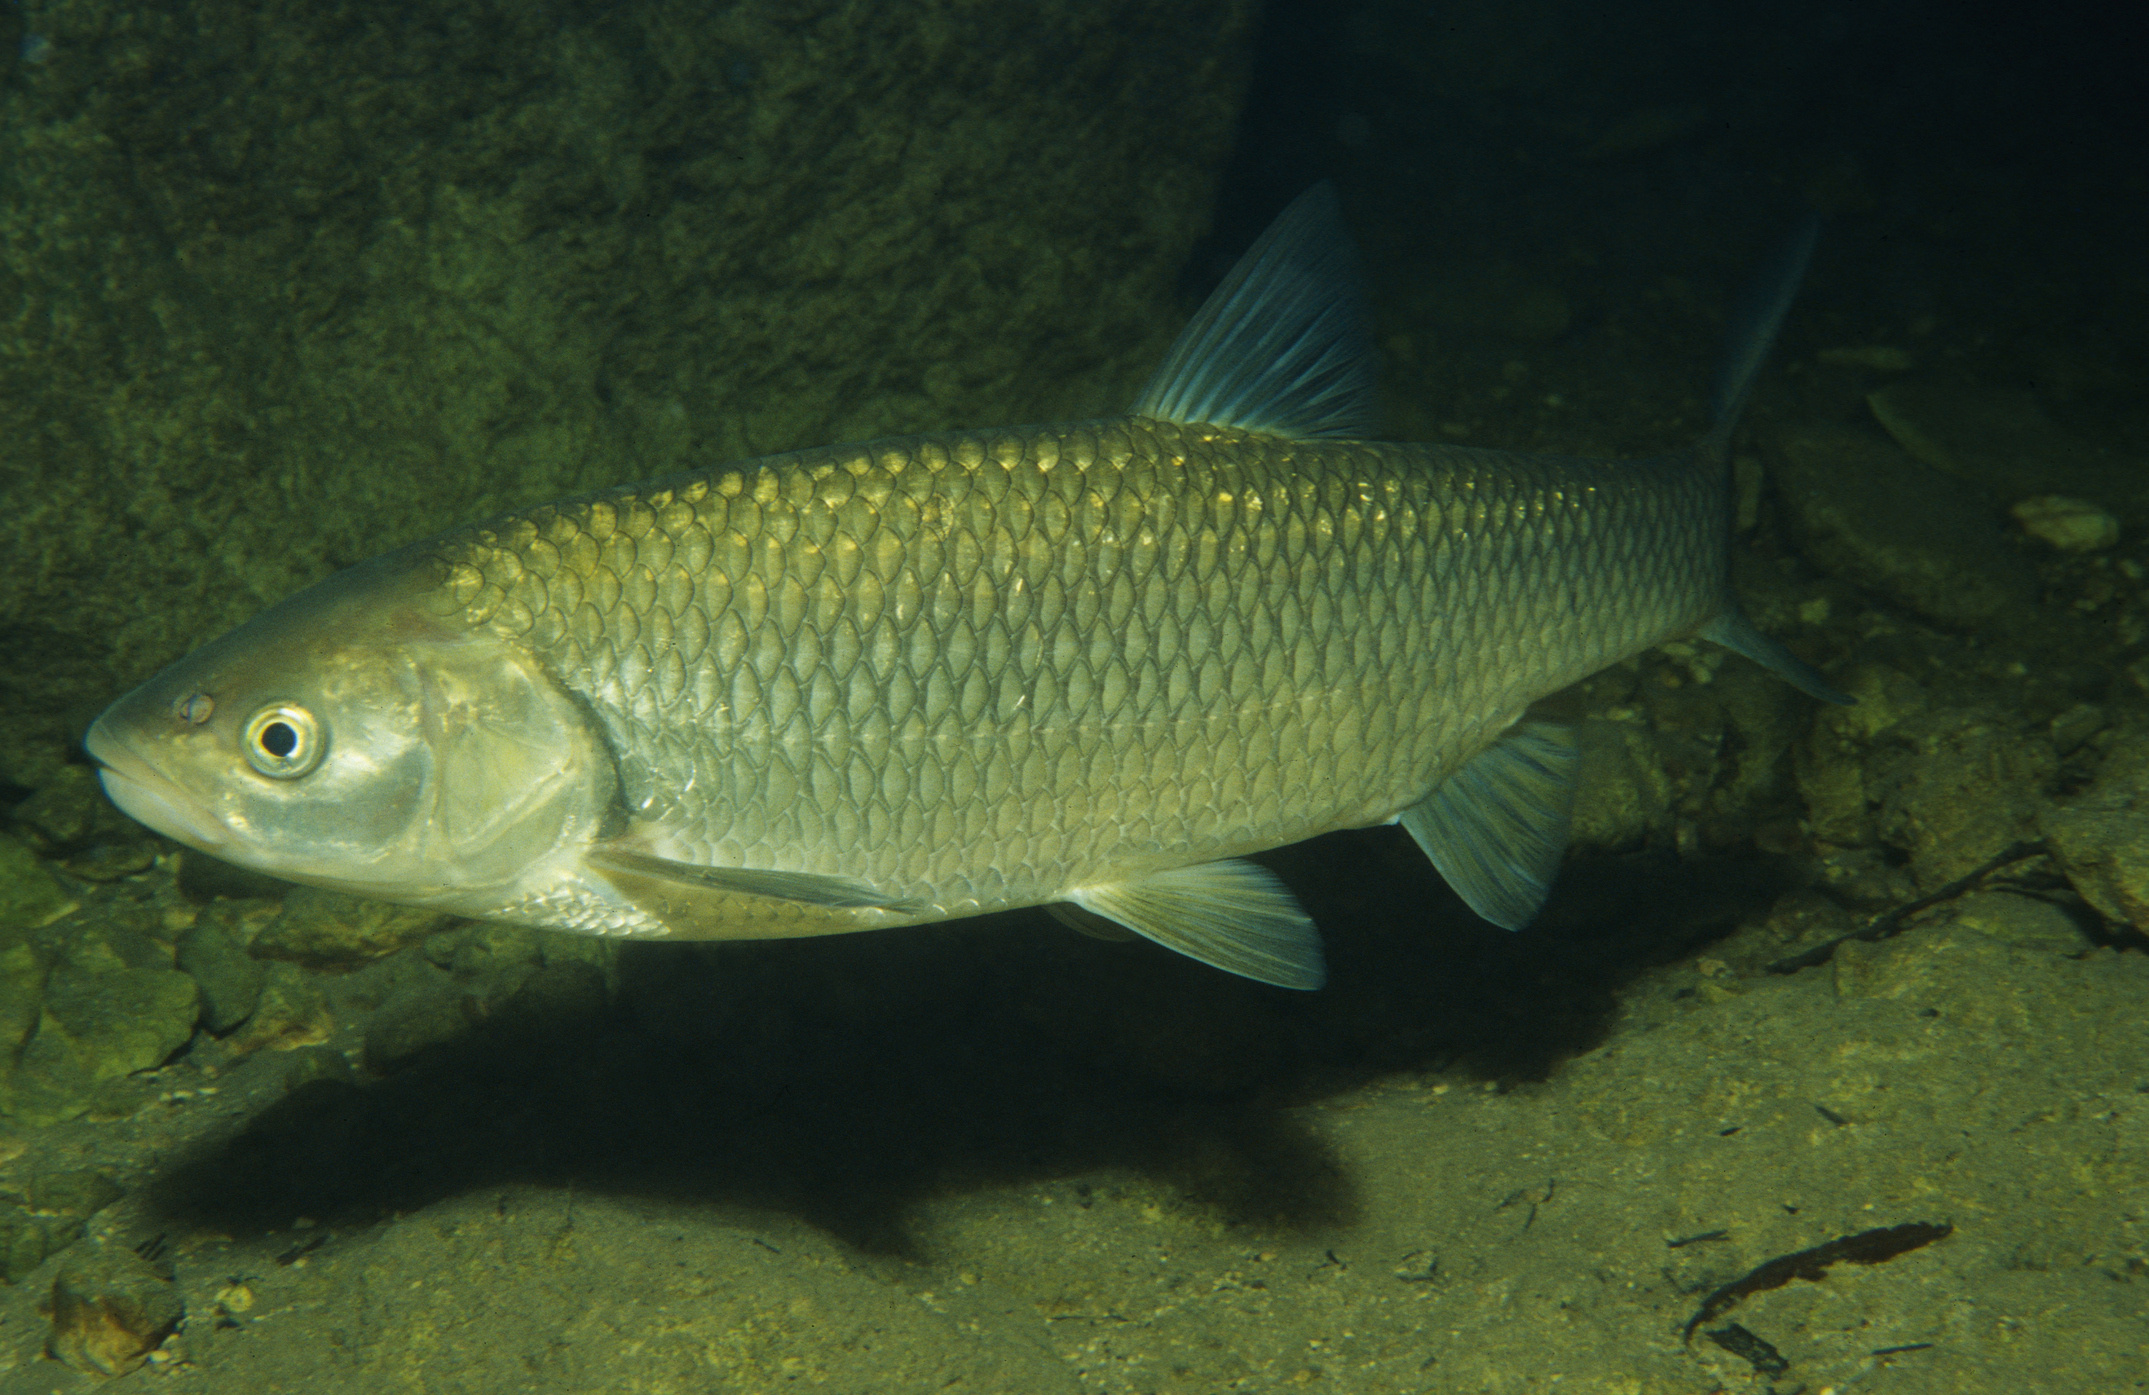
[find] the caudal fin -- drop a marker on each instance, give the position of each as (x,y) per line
(1754,323)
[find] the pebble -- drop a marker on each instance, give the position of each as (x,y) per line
(2071,525)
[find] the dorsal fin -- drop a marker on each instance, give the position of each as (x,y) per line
(1285,344)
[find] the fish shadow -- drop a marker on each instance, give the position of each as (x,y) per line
(849,1080)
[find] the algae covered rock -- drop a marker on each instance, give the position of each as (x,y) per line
(324,929)
(47,1215)
(2024,921)
(30,896)
(108,1005)
(1622,794)
(1864,511)
(1942,788)
(2103,846)
(2070,525)
(28,1240)
(2101,837)
(229,978)
(110,1309)
(291,1012)
(1959,788)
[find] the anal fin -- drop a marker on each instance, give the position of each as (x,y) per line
(1232,915)
(808,888)
(1088,923)
(1497,828)
(1735,632)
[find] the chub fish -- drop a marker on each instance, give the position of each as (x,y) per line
(1090,666)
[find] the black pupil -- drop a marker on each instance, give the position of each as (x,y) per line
(278,739)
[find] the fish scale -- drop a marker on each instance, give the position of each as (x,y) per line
(1209,627)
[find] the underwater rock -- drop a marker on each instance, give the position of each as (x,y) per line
(556,994)
(1831,763)
(487,950)
(110,1309)
(28,1240)
(68,811)
(491,961)
(48,1215)
(2071,525)
(1956,788)
(2104,850)
(1947,788)
(2001,441)
(121,1021)
(1623,795)
(1864,512)
(2100,838)
(107,1005)
(80,1192)
(326,930)
(30,896)
(2025,921)
(2072,728)
(291,1013)
(69,818)
(423,1015)
(312,1063)
(229,977)
(22,999)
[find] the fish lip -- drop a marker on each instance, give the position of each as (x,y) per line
(147,797)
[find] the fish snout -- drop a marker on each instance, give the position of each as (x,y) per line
(147,795)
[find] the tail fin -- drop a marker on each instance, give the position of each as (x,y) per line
(1754,324)
(1753,331)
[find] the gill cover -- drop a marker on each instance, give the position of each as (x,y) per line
(350,737)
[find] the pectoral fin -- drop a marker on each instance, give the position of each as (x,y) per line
(808,888)
(1233,915)
(1497,828)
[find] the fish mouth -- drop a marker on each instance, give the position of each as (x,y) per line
(147,797)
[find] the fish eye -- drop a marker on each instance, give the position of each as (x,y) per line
(284,741)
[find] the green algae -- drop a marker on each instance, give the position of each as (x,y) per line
(416,267)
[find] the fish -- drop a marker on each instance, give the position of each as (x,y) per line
(1091,666)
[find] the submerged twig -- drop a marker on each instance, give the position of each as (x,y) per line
(1891,922)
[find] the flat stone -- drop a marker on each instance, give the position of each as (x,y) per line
(1864,511)
(2000,441)
(2071,525)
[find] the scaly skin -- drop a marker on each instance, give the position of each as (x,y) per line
(978,669)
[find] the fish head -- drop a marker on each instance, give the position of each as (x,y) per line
(366,736)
